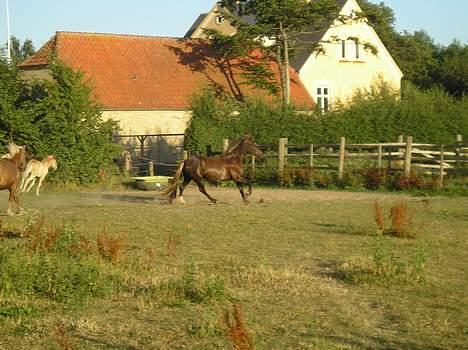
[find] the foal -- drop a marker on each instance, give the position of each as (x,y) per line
(37,170)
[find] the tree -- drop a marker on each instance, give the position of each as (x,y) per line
(19,52)
(452,70)
(281,22)
(57,117)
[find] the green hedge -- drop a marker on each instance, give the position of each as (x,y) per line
(378,115)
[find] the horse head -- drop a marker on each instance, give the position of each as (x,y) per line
(52,162)
(22,158)
(250,147)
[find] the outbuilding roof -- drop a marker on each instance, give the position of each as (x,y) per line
(133,72)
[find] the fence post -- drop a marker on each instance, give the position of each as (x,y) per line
(127,158)
(458,151)
(409,149)
(282,144)
(311,155)
(150,168)
(342,157)
(225,145)
(441,166)
(252,176)
(379,157)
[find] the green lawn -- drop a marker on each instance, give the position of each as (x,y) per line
(285,259)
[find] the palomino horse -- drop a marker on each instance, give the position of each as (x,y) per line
(215,169)
(37,170)
(11,166)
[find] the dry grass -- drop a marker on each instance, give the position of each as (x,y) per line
(236,329)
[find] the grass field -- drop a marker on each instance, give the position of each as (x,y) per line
(309,269)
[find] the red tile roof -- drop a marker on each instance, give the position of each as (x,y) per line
(142,72)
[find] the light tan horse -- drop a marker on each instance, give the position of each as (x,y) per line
(37,170)
(11,166)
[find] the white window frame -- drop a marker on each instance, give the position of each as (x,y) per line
(323,96)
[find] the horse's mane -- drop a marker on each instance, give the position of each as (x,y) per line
(13,149)
(234,144)
(232,147)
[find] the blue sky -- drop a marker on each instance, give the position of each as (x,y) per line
(38,20)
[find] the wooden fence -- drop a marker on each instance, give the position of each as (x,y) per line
(402,156)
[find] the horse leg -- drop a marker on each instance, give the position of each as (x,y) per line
(10,200)
(31,182)
(39,184)
(16,199)
(202,189)
(182,188)
(240,186)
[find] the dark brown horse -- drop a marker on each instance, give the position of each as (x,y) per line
(11,167)
(215,169)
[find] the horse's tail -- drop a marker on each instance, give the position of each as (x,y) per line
(171,191)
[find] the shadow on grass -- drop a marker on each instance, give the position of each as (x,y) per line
(10,234)
(341,229)
(132,199)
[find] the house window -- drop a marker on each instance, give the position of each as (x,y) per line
(219,19)
(322,96)
(350,50)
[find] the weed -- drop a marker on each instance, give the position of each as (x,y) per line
(235,328)
(62,339)
(171,246)
(401,222)
(384,267)
(110,248)
(194,288)
(378,216)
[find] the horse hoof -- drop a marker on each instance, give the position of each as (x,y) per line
(9,212)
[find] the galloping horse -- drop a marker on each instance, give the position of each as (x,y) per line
(11,166)
(37,170)
(215,169)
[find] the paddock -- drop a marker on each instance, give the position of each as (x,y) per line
(281,258)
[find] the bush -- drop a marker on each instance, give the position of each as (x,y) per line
(58,117)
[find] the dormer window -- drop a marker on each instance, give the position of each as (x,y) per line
(219,19)
(351,50)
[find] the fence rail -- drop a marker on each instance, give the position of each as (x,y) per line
(402,156)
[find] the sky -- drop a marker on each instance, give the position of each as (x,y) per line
(38,20)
